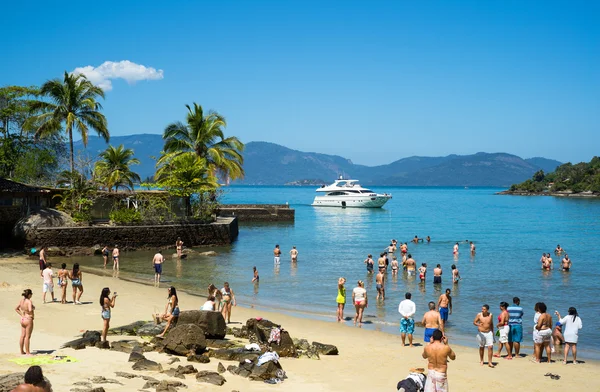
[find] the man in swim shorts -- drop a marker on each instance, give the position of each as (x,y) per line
(437,354)
(276,254)
(380,280)
(411,266)
(515,324)
(437,274)
(485,335)
(431,321)
(566,263)
(407,309)
(157,261)
(115,255)
(42,259)
(445,307)
(294,254)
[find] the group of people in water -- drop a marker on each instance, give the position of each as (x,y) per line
(547,264)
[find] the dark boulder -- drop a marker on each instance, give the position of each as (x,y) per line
(150,329)
(233,354)
(212,323)
(325,349)
(89,339)
(180,371)
(267,371)
(198,358)
(301,344)
(129,329)
(11,381)
(146,364)
(184,339)
(136,356)
(260,331)
(124,346)
(241,333)
(221,368)
(243,370)
(222,343)
(169,386)
(210,377)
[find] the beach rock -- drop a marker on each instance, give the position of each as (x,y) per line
(212,323)
(209,253)
(104,380)
(85,384)
(260,331)
(103,345)
(241,333)
(310,353)
(169,386)
(243,370)
(198,358)
(180,371)
(126,375)
(129,329)
(123,346)
(221,368)
(146,364)
(233,354)
(222,343)
(151,329)
(173,360)
(325,349)
(301,344)
(267,371)
(94,389)
(184,339)
(136,356)
(11,381)
(210,377)
(89,339)
(25,228)
(151,383)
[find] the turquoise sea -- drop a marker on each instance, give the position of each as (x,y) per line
(510,232)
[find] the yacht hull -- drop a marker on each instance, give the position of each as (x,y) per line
(351,201)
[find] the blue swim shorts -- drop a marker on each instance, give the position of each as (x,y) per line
(515,333)
(407,326)
(444,314)
(158,268)
(428,334)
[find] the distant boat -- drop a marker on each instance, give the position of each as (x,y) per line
(349,193)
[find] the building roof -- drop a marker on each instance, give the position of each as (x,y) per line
(17,187)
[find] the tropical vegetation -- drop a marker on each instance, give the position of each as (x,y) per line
(581,177)
(113,169)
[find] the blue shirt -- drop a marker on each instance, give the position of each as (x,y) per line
(515,315)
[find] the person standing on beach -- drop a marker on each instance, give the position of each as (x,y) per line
(25,309)
(179,247)
(360,301)
(380,284)
(431,321)
(485,335)
(503,330)
(106,304)
(445,307)
(341,299)
(294,254)
(370,263)
(423,272)
(515,324)
(76,281)
(437,274)
(437,354)
(544,334)
(157,263)
(572,324)
(48,277)
(407,310)
(42,260)
(105,254)
(566,263)
(276,255)
(455,274)
(411,266)
(63,280)
(228,300)
(213,291)
(115,255)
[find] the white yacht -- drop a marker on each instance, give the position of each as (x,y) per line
(349,193)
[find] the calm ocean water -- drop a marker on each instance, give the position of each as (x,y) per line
(510,232)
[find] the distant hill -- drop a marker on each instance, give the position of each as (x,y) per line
(273,164)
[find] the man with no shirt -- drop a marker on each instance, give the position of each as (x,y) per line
(485,337)
(437,354)
(276,254)
(431,321)
(380,281)
(294,254)
(157,263)
(437,274)
(411,266)
(381,262)
(445,307)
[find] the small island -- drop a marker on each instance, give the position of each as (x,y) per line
(568,180)
(305,182)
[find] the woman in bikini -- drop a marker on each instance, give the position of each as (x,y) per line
(105,255)
(228,300)
(171,310)
(544,334)
(76,282)
(63,280)
(179,246)
(360,301)
(106,303)
(25,309)
(503,329)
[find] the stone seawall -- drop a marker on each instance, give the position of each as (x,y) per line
(258,212)
(222,232)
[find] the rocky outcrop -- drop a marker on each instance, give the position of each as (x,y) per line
(210,378)
(259,332)
(11,381)
(129,329)
(180,371)
(150,329)
(25,228)
(325,349)
(169,386)
(212,323)
(146,364)
(198,358)
(233,354)
(89,339)
(267,371)
(184,339)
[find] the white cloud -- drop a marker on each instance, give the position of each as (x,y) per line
(102,75)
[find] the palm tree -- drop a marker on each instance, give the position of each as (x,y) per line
(73,101)
(114,171)
(203,136)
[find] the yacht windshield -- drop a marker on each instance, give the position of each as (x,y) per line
(367,191)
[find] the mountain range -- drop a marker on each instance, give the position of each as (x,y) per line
(272,164)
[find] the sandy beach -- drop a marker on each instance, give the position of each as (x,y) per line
(368,360)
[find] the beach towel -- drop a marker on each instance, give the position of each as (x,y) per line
(252,347)
(43,360)
(266,357)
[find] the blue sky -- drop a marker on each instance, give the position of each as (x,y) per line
(372,81)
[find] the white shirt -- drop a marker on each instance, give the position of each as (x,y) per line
(407,308)
(359,293)
(571,328)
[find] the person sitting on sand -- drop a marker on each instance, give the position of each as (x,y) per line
(25,309)
(437,354)
(209,304)
(557,335)
(228,301)
(171,310)
(360,301)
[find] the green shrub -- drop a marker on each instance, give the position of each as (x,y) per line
(125,216)
(81,216)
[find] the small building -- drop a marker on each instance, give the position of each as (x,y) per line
(24,197)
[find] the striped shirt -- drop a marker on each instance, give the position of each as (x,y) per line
(515,315)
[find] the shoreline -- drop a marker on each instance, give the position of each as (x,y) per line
(373,349)
(583,195)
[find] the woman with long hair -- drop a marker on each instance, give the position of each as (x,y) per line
(360,301)
(75,275)
(544,333)
(63,281)
(106,303)
(171,310)
(571,326)
(228,301)
(341,299)
(213,291)
(25,309)
(503,329)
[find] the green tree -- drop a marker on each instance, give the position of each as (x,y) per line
(79,196)
(73,102)
(203,136)
(114,170)
(16,107)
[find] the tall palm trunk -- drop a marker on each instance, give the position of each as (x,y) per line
(71,145)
